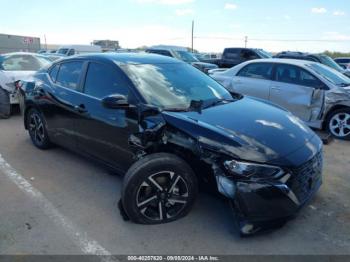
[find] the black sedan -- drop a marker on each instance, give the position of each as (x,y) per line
(171,128)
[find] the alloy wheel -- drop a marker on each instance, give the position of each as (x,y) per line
(339,125)
(162,196)
(36,128)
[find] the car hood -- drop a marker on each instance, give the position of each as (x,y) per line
(204,65)
(247,129)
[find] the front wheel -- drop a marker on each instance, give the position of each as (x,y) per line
(159,188)
(339,124)
(37,129)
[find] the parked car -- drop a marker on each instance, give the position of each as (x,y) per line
(69,50)
(320,58)
(344,62)
(317,94)
(168,134)
(234,56)
(207,58)
(13,67)
(183,55)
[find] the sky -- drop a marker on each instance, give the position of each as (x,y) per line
(274,25)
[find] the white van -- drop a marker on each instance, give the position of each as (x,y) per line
(70,50)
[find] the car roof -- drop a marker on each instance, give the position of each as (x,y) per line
(283,61)
(127,58)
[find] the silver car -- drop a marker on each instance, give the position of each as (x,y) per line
(13,67)
(317,94)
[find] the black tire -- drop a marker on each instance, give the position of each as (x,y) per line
(37,129)
(338,124)
(5,105)
(178,183)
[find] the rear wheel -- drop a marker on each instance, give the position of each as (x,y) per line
(160,188)
(37,129)
(339,124)
(5,105)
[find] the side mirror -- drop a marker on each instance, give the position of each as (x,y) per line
(115,102)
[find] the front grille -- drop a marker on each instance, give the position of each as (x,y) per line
(306,178)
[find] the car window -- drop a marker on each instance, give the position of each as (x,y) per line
(53,72)
(103,80)
(257,70)
(232,53)
(69,73)
(71,52)
(294,75)
(248,54)
(23,63)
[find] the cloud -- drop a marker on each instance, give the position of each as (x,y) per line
(318,10)
(165,2)
(183,12)
(230,6)
(338,13)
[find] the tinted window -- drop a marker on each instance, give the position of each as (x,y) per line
(53,72)
(232,53)
(103,80)
(295,75)
(248,54)
(257,70)
(69,73)
(342,60)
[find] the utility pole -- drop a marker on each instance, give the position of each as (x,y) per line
(45,42)
(192,36)
(246,41)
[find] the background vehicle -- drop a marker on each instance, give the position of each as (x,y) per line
(319,58)
(208,58)
(317,94)
(234,56)
(344,62)
(169,133)
(70,50)
(13,67)
(182,54)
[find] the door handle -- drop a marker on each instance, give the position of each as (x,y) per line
(277,88)
(80,109)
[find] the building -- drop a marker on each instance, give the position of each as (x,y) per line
(107,45)
(16,43)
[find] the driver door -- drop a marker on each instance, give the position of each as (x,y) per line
(103,133)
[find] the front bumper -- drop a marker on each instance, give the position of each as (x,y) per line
(262,205)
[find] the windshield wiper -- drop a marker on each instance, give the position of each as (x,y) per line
(219,101)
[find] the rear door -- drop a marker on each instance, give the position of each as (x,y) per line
(254,80)
(102,132)
(298,91)
(59,105)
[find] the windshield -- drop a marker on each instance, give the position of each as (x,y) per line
(326,60)
(22,62)
(263,53)
(63,51)
(187,56)
(330,75)
(170,86)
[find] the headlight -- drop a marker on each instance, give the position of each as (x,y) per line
(251,170)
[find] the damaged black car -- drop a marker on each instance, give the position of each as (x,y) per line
(171,129)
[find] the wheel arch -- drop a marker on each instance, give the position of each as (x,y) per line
(330,111)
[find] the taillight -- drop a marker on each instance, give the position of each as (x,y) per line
(18,84)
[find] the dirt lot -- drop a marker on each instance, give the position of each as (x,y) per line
(56,202)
